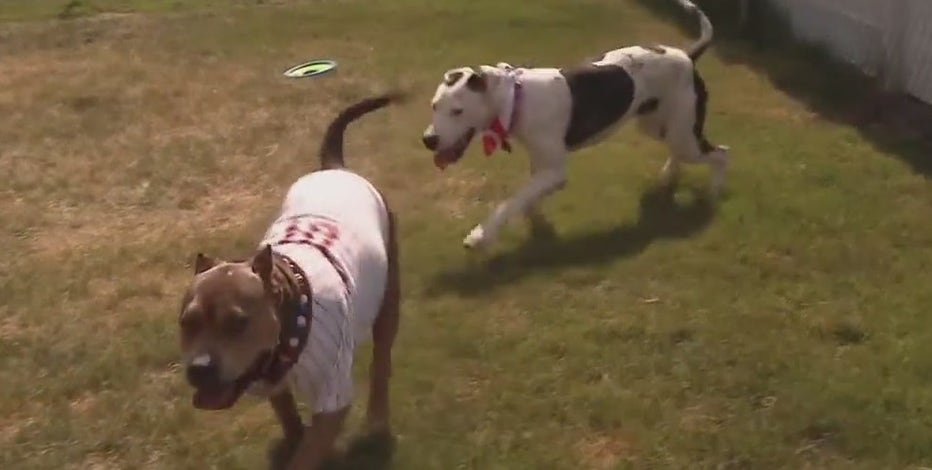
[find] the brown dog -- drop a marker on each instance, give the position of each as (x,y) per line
(289,318)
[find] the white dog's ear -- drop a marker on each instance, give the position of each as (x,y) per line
(478,82)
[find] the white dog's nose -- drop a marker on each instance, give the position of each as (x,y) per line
(431,141)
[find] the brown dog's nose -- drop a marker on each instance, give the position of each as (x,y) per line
(202,375)
(431,141)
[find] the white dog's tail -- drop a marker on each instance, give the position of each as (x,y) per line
(696,50)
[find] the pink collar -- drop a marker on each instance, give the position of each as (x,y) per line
(497,133)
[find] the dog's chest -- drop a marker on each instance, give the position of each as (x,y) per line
(601,95)
(322,376)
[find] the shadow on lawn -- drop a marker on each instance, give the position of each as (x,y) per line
(659,217)
(364,452)
(839,92)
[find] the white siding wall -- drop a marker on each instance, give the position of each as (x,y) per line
(889,38)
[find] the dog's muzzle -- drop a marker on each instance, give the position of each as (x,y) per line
(444,157)
(210,391)
(203,375)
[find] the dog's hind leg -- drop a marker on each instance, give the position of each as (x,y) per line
(687,142)
(383,338)
(670,174)
(654,123)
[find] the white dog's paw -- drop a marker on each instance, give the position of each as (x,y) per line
(477,238)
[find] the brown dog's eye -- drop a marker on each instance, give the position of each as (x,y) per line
(236,324)
(190,323)
(456,112)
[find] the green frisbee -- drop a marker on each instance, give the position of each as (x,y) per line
(311,69)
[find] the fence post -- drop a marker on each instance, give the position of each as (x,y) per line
(892,68)
(743,14)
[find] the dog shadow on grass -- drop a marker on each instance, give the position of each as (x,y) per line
(659,217)
(363,452)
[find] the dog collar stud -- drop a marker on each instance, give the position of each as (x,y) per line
(294,331)
(301,322)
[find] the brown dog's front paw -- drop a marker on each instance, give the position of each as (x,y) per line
(373,449)
(281,450)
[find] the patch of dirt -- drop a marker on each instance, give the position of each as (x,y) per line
(470,388)
(83,404)
(10,327)
(603,452)
(97,461)
(701,419)
(11,426)
(221,210)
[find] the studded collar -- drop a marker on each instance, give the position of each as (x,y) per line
(295,318)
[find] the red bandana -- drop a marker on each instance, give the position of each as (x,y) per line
(497,134)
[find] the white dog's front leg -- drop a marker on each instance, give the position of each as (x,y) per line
(541,184)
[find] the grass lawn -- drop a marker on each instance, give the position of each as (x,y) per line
(786,328)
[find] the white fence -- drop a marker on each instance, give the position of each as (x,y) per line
(891,39)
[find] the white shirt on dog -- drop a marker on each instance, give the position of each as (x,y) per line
(342,212)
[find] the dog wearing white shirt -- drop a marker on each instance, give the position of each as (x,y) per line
(288,320)
(553,112)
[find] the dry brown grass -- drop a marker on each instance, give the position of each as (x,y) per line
(119,142)
(642,337)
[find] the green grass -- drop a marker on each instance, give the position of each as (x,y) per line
(786,328)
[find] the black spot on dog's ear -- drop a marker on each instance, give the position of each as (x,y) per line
(451,78)
(477,82)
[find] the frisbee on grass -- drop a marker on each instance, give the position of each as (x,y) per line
(311,69)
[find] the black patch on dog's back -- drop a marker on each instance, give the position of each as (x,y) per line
(648,106)
(601,95)
(702,99)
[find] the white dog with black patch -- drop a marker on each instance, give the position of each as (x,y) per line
(554,111)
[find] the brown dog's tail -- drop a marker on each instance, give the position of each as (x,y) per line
(331,150)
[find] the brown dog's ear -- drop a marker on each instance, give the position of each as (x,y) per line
(203,262)
(262,263)
(477,82)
